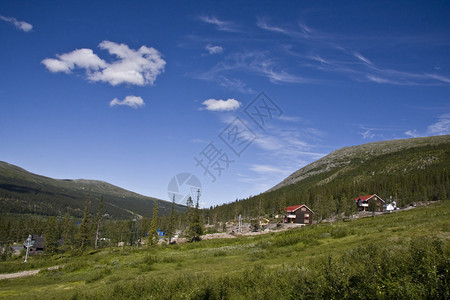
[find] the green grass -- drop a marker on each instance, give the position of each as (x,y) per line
(400,255)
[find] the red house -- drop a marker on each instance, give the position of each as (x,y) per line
(300,214)
(364,201)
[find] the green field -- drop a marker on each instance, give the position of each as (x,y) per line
(403,255)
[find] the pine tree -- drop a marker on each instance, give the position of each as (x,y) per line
(172,220)
(51,236)
(67,233)
(98,222)
(6,241)
(84,236)
(195,229)
(282,209)
(152,237)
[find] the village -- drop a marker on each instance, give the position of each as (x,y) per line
(296,216)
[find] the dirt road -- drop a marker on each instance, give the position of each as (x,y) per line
(24,273)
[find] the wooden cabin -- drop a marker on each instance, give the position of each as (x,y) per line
(299,214)
(363,202)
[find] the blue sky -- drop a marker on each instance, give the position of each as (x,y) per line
(136,92)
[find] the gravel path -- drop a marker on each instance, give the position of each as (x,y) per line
(24,273)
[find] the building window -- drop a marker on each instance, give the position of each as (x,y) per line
(303,209)
(306,220)
(306,215)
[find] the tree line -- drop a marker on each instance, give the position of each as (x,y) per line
(406,177)
(73,235)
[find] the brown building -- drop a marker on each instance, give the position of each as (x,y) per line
(300,214)
(37,244)
(364,202)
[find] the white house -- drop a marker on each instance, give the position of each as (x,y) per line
(389,207)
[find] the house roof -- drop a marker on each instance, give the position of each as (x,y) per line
(39,241)
(365,198)
(295,207)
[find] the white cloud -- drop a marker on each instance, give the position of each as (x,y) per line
(412,133)
(340,58)
(267,169)
(441,127)
(289,118)
(214,49)
(24,26)
(234,84)
(439,77)
(221,105)
(131,101)
(221,25)
(256,62)
(138,67)
(81,58)
(362,58)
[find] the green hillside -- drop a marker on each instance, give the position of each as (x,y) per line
(408,170)
(404,255)
(22,192)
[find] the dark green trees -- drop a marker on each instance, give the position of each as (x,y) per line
(51,236)
(85,236)
(195,227)
(152,237)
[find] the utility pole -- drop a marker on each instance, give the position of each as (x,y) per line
(28,248)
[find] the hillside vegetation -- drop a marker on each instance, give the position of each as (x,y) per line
(22,192)
(404,255)
(409,170)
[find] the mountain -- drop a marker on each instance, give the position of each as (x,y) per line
(24,192)
(408,170)
(347,159)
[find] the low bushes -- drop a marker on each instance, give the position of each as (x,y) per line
(419,269)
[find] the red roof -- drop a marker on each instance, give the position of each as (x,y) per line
(295,207)
(365,198)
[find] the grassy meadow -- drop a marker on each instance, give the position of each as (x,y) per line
(404,255)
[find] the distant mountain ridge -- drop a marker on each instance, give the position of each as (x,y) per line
(24,192)
(343,158)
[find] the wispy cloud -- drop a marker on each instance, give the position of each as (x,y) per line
(289,118)
(441,127)
(220,25)
(290,144)
(368,133)
(221,105)
(214,49)
(362,58)
(131,101)
(21,25)
(302,31)
(137,67)
(254,62)
(233,84)
(439,77)
(268,169)
(326,52)
(412,133)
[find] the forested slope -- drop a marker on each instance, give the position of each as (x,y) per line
(22,192)
(407,170)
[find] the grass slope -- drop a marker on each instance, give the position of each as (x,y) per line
(400,255)
(25,192)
